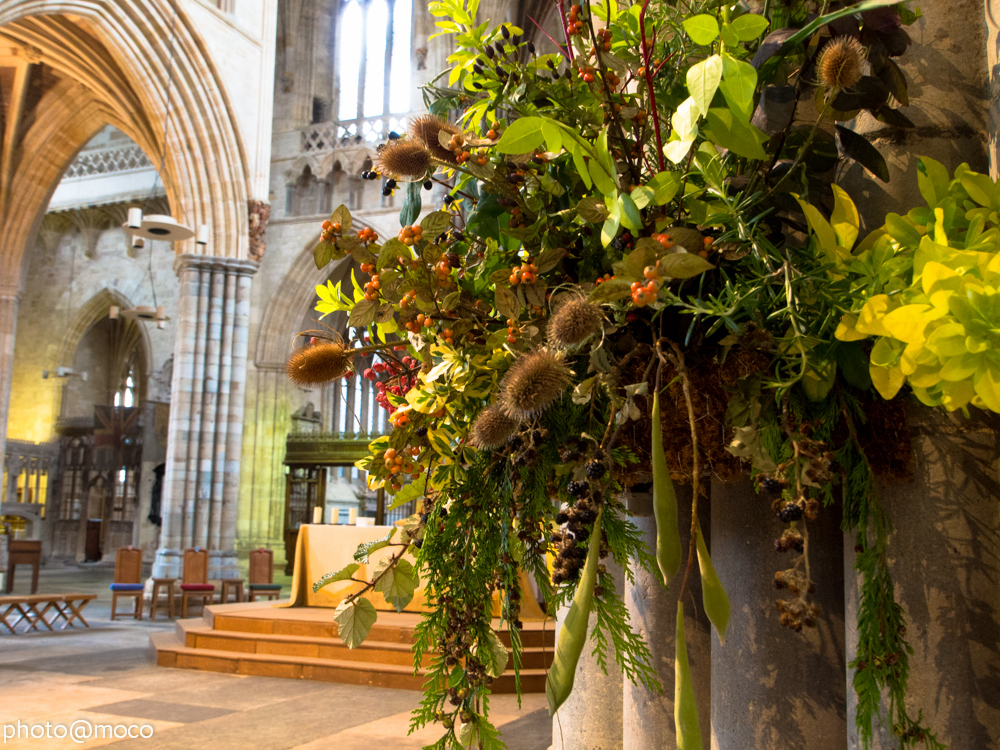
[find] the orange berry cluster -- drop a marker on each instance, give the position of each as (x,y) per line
(411,235)
(408,299)
(574,25)
(372,287)
(367,235)
(442,271)
(512,331)
(527,273)
(604,39)
(479,158)
(404,461)
(642,295)
(605,277)
(493,133)
(421,320)
(449,336)
(398,419)
(330,230)
(666,240)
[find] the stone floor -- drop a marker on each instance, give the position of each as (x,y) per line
(106,675)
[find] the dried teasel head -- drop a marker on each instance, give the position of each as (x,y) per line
(574,321)
(319,363)
(404,159)
(841,63)
(492,428)
(427,128)
(532,384)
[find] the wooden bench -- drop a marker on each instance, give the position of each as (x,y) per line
(43,609)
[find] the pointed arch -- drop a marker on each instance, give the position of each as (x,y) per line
(93,310)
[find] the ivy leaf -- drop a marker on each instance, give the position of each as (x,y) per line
(364,550)
(411,205)
(703,29)
(344,574)
(703,81)
(363,313)
(684,265)
(522,136)
(507,303)
(858,148)
(749,26)
(354,621)
(398,584)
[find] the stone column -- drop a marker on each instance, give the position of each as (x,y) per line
(591,718)
(648,716)
(200,487)
(948,86)
(944,557)
(9,296)
(773,687)
(993,61)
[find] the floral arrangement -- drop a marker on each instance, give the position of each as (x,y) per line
(642,237)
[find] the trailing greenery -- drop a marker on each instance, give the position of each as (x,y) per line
(646,215)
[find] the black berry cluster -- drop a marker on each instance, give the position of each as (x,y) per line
(790,512)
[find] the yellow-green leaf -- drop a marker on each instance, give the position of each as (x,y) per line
(703,81)
(844,219)
(887,380)
(847,331)
(703,29)
(354,621)
(739,80)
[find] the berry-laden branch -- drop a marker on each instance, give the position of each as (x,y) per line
(646,59)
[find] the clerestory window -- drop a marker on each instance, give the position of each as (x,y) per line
(374,58)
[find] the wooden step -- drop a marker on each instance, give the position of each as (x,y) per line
(197,635)
(171,651)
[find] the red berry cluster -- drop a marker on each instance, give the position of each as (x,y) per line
(411,235)
(398,383)
(605,277)
(330,231)
(527,273)
(513,334)
(604,39)
(574,25)
(367,235)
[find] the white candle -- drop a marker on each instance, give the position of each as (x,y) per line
(317,515)
(352,517)
(331,515)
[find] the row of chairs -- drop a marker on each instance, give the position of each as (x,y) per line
(194,581)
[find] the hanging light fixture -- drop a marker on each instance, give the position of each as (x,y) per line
(157,227)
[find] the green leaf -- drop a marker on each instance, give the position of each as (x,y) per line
(579,162)
(933,181)
(494,655)
(739,80)
(729,36)
(703,29)
(409,493)
(435,223)
(506,303)
(354,621)
(602,180)
(398,584)
(703,81)
(610,291)
(549,259)
(592,209)
(684,265)
(685,703)
(666,185)
(725,130)
(342,215)
(323,253)
(553,135)
(522,136)
(844,219)
(344,574)
(391,249)
(411,205)
(363,313)
(364,550)
(631,218)
(749,26)
(713,595)
(864,153)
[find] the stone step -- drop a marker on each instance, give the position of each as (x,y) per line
(171,651)
(195,634)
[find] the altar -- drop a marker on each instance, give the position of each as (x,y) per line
(327,548)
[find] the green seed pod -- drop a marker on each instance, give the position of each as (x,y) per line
(668,537)
(685,704)
(713,595)
(573,634)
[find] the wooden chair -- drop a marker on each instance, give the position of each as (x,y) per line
(128,579)
(194,584)
(262,575)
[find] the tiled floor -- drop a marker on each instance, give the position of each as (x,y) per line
(106,676)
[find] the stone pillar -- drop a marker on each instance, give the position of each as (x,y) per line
(591,718)
(944,556)
(200,487)
(9,297)
(948,85)
(773,687)
(648,716)
(993,61)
